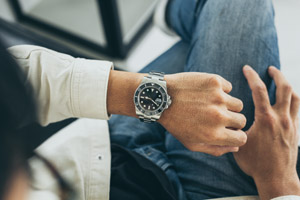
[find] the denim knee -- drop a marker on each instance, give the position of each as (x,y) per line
(233,18)
(260,9)
(257,7)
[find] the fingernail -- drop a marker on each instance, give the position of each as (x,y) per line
(246,70)
(270,70)
(247,67)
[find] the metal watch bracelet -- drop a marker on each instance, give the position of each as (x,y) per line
(159,76)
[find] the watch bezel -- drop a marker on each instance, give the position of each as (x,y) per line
(157,86)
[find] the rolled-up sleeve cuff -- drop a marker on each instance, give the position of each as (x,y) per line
(290,197)
(89,84)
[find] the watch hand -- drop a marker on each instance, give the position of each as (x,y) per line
(151,100)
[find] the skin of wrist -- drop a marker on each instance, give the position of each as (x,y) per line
(269,188)
(120,92)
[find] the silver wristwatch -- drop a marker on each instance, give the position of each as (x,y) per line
(151,97)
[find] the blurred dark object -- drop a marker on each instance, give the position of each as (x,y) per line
(14,34)
(109,27)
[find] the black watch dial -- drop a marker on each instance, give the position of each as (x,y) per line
(150,98)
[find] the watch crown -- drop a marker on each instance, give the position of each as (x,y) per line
(169,101)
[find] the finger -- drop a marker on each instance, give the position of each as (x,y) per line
(234,138)
(234,104)
(297,123)
(236,121)
(213,149)
(229,137)
(259,90)
(283,89)
(295,105)
(226,85)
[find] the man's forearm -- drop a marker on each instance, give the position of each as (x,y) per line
(283,187)
(120,92)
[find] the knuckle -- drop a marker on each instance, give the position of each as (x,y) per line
(219,98)
(215,81)
(218,136)
(269,118)
(287,88)
(260,88)
(265,110)
(219,116)
(285,122)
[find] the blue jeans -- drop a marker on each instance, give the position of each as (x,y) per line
(218,37)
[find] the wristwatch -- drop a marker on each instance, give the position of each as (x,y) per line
(151,97)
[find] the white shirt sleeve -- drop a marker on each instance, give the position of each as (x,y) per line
(290,197)
(64,86)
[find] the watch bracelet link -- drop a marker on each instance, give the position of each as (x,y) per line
(146,119)
(156,75)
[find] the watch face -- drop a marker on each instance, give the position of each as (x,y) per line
(150,98)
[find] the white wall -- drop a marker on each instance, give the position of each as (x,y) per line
(27,5)
(5,10)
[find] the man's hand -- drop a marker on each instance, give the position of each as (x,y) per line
(202,116)
(270,154)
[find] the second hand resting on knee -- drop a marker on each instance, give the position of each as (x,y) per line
(270,155)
